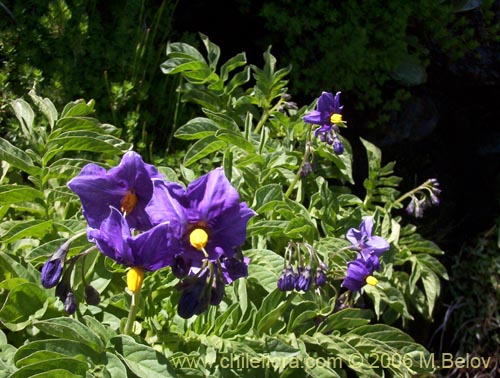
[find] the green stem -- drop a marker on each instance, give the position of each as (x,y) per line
(132,313)
(266,114)
(304,160)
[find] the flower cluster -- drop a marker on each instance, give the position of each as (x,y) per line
(424,196)
(329,118)
(141,221)
(300,277)
(369,248)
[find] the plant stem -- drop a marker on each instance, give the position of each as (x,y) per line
(304,160)
(132,313)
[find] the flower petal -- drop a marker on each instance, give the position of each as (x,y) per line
(110,238)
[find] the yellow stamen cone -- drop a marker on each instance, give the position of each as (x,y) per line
(370,280)
(128,202)
(336,118)
(135,277)
(198,238)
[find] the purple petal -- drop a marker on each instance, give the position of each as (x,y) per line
(151,249)
(97,193)
(377,245)
(210,195)
(168,203)
(366,226)
(313,117)
(110,238)
(354,236)
(229,229)
(326,102)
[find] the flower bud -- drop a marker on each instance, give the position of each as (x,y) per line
(70,303)
(51,273)
(320,278)
(304,279)
(338,146)
(91,295)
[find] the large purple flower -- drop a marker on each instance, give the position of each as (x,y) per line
(208,220)
(364,242)
(328,117)
(127,187)
(359,273)
(150,250)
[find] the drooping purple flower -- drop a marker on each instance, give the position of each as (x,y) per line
(328,117)
(207,219)
(53,267)
(359,273)
(304,279)
(320,278)
(234,268)
(364,242)
(149,250)
(286,281)
(127,187)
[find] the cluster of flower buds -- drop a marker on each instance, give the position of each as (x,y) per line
(53,274)
(422,197)
(206,286)
(286,105)
(301,277)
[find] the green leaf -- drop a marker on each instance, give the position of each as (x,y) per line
(197,128)
(85,141)
(65,367)
(71,329)
(15,230)
(265,267)
(345,319)
(114,367)
(141,359)
(23,302)
(236,139)
(183,50)
(177,65)
(25,115)
(202,148)
(38,356)
(10,194)
(46,107)
(64,347)
(233,63)
(78,108)
(213,51)
(374,156)
(17,158)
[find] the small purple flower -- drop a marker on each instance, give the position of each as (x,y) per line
(286,281)
(150,250)
(363,241)
(53,267)
(328,117)
(320,278)
(207,219)
(359,273)
(127,187)
(304,279)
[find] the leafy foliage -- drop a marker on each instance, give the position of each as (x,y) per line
(251,129)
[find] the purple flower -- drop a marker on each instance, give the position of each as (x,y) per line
(150,250)
(327,116)
(207,219)
(286,281)
(127,187)
(359,273)
(363,241)
(53,267)
(304,279)
(320,278)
